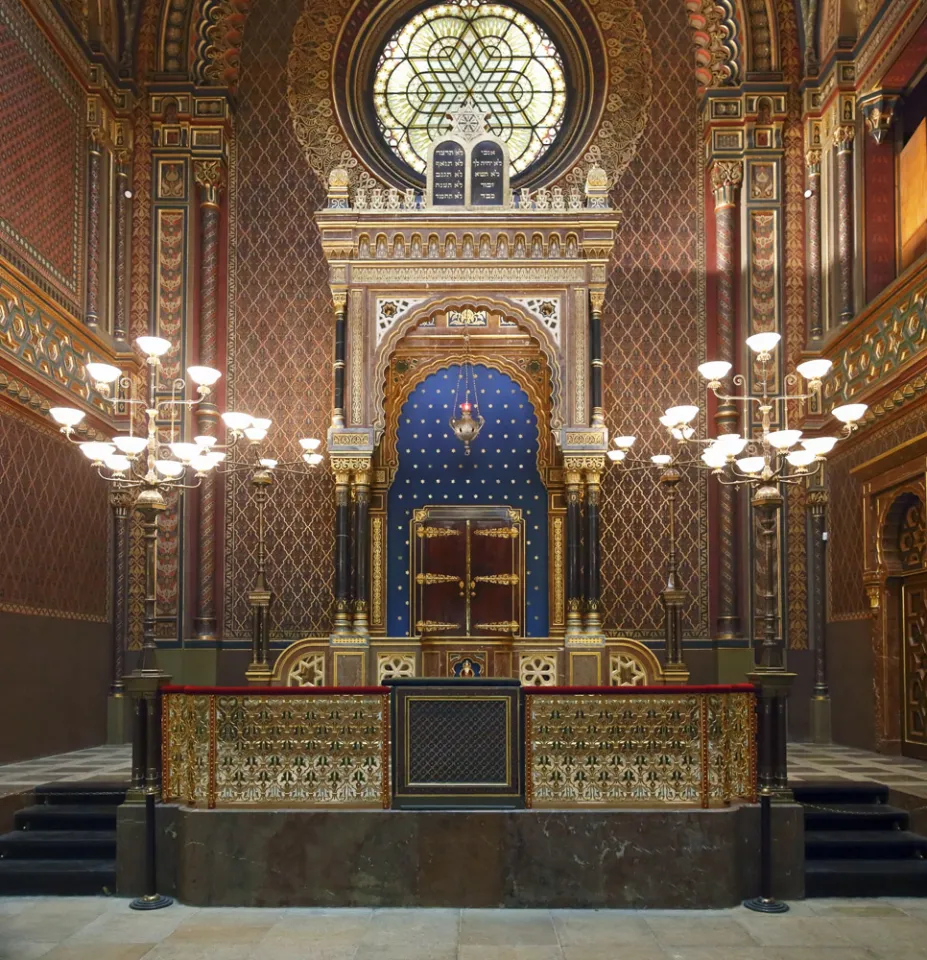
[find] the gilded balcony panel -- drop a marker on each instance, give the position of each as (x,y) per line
(312,748)
(645,749)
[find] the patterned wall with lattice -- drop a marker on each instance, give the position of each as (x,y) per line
(653,331)
(41,176)
(280,340)
(53,542)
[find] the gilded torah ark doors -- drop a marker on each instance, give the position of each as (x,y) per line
(467,575)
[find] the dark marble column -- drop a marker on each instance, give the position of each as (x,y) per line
(593,553)
(94,204)
(574,590)
(208,174)
(260,597)
(121,263)
(673,597)
(843,142)
(813,245)
(596,301)
(726,178)
(342,625)
(121,502)
(817,621)
(340,298)
(361,551)
(772,680)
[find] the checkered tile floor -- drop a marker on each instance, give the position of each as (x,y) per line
(95,763)
(810,762)
(806,762)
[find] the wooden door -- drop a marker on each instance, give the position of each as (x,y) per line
(467,577)
(914,667)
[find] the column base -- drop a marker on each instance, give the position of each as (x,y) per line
(259,674)
(676,674)
(820,720)
(584,639)
(349,639)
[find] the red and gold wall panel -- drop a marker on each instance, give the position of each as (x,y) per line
(41,159)
(280,340)
(53,522)
(653,339)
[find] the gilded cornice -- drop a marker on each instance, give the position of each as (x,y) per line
(49,346)
(881,357)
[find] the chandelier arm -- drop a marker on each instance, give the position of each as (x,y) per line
(735,398)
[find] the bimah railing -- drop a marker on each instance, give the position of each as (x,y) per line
(584,747)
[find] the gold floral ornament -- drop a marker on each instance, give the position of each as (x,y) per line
(309,92)
(629,72)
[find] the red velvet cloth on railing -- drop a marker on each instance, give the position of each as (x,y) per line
(272,691)
(599,691)
(662,689)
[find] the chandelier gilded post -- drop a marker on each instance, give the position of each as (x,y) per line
(263,470)
(673,596)
(776,456)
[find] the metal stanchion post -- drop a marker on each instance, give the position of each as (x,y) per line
(152,900)
(766,902)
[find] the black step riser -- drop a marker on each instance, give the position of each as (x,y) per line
(833,851)
(876,820)
(103,849)
(55,885)
(886,885)
(75,799)
(833,793)
(64,845)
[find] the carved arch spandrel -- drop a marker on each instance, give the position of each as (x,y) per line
(497,304)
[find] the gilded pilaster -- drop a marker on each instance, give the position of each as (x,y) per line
(593,625)
(123,224)
(361,551)
(843,143)
(209,176)
(726,179)
(94,202)
(813,245)
(596,302)
(340,300)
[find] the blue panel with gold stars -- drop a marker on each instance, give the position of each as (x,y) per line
(502,470)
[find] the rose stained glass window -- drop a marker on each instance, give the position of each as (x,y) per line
(453,52)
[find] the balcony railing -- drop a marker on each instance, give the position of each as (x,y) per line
(584,747)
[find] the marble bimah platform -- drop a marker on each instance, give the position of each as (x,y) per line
(604,797)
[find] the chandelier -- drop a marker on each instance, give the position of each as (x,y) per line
(779,453)
(468,424)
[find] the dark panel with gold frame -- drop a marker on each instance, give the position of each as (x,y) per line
(457,743)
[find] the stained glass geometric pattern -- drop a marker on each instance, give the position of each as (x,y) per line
(450,53)
(502,470)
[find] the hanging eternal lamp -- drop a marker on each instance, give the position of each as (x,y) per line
(467,426)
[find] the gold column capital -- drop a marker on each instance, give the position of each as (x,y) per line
(210,175)
(813,162)
(597,299)
(843,137)
(726,177)
(339,298)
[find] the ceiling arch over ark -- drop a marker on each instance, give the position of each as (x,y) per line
(201,40)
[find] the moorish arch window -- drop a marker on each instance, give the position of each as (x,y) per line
(450,53)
